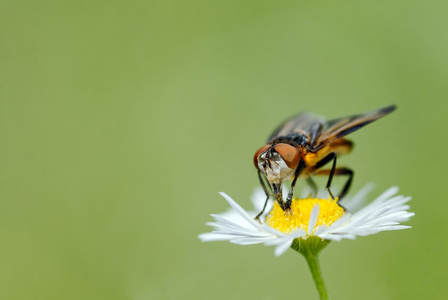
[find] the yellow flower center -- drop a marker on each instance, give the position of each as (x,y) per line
(329,212)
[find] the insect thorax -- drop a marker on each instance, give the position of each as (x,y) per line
(295,139)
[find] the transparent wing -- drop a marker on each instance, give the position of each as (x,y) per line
(339,128)
(305,122)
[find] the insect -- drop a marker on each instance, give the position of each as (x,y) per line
(301,146)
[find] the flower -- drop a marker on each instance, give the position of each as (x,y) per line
(311,217)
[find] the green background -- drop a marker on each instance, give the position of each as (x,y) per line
(120,121)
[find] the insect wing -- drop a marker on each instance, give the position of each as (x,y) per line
(307,123)
(339,128)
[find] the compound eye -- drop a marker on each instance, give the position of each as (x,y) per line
(258,153)
(289,154)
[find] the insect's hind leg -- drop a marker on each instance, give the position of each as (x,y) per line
(267,196)
(330,178)
(324,161)
(348,184)
(340,171)
(312,185)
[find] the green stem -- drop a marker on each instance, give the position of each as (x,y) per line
(313,263)
(310,248)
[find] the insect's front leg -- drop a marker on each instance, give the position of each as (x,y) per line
(278,195)
(267,196)
(290,194)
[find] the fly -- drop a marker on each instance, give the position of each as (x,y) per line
(301,146)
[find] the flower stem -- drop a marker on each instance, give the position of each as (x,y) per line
(313,263)
(310,249)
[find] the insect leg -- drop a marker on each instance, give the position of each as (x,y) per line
(267,195)
(324,161)
(296,176)
(349,172)
(330,178)
(340,171)
(312,185)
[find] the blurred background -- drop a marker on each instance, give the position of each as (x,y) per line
(120,121)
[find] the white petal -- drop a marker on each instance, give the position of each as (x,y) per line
(385,213)
(320,230)
(250,240)
(258,198)
(209,237)
(280,249)
(387,194)
(355,202)
(313,218)
(240,210)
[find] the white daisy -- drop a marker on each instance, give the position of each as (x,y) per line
(322,218)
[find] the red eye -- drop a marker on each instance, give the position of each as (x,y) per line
(289,154)
(258,153)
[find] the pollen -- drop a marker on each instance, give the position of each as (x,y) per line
(299,216)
